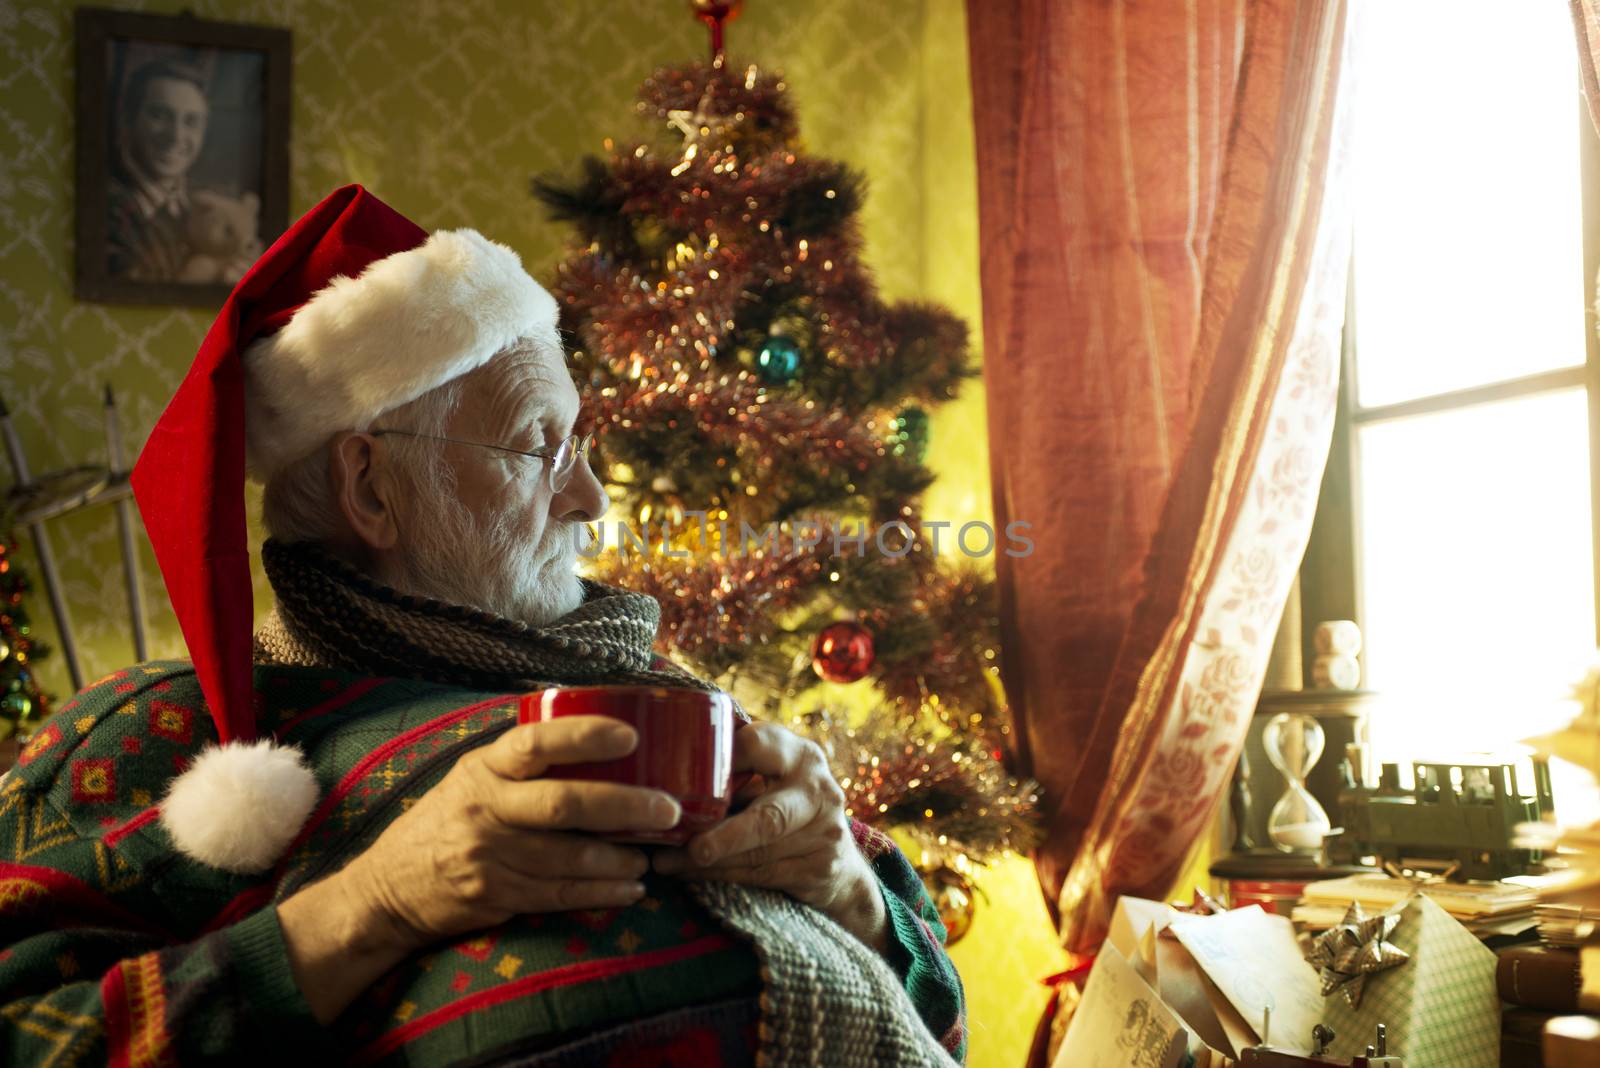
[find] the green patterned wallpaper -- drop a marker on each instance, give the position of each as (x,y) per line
(444,108)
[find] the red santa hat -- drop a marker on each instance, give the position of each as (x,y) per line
(354,311)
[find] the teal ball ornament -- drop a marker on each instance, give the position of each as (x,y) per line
(912,433)
(16,706)
(779,361)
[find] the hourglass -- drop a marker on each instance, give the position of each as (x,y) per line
(1298,823)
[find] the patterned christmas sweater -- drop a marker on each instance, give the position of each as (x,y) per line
(115,948)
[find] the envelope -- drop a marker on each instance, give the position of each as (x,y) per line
(1121,1021)
(1256,963)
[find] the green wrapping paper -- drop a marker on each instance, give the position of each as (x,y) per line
(1440,1007)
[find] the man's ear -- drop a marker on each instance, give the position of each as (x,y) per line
(363,490)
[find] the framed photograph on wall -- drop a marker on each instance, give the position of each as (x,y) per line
(182,154)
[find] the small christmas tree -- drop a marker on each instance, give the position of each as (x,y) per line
(762,418)
(22,703)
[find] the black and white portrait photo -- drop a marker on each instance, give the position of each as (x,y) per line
(182,154)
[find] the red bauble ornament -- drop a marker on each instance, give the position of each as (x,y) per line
(842,652)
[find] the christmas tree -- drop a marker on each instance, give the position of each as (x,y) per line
(22,703)
(761,419)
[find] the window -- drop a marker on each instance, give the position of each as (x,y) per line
(1467,415)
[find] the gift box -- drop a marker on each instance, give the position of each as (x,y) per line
(1440,1006)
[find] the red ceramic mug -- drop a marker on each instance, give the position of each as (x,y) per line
(685,748)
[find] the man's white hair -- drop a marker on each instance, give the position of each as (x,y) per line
(298,503)
(447,556)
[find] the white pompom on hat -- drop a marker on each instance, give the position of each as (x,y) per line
(213,810)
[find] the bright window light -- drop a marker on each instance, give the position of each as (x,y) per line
(1476,535)
(1468,242)
(1477,584)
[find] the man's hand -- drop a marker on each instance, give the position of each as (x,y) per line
(493,839)
(489,841)
(794,836)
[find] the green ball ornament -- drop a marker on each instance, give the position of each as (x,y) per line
(778,363)
(912,433)
(16,706)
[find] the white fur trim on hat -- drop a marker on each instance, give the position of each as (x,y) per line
(365,345)
(238,806)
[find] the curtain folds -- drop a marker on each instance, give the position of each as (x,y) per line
(1586,24)
(1163,286)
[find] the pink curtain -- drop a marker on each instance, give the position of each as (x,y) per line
(1586,23)
(1163,291)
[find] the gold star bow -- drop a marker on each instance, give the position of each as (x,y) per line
(1355,948)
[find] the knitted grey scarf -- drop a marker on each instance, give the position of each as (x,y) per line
(827,999)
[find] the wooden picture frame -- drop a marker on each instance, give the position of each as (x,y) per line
(182,154)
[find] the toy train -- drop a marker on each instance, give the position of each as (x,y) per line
(1454,814)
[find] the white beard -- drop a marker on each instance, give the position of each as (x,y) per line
(449,558)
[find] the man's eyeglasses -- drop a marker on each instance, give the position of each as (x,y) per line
(563,456)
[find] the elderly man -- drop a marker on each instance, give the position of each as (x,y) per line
(372,865)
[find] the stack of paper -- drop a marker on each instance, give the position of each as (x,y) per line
(1484,908)
(1575,860)
(1566,926)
